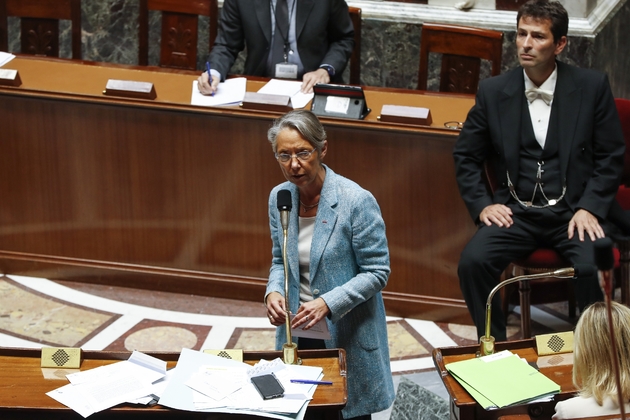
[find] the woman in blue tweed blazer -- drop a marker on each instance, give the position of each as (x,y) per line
(338,262)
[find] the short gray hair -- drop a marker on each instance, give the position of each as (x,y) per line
(305,122)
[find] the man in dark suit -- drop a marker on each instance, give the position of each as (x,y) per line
(317,37)
(557,155)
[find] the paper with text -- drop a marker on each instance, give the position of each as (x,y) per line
(103,387)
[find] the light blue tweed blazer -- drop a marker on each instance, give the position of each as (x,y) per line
(349,268)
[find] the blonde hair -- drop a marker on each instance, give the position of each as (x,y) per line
(593,371)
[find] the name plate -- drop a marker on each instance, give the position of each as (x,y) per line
(412,115)
(61,357)
(130,89)
(266,102)
(554,343)
(10,78)
(234,354)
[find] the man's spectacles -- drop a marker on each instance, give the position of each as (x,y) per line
(302,156)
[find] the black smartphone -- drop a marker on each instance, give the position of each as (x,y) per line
(268,386)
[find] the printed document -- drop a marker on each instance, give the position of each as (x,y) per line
(103,387)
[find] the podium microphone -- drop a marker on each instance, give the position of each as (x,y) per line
(284,207)
(605,262)
(283,201)
(578,271)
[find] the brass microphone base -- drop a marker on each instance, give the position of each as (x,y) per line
(291,354)
(486,345)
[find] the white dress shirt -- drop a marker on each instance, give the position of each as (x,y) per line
(539,111)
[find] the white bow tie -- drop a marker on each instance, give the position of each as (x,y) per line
(535,93)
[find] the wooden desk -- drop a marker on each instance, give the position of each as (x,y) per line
(23,386)
(167,184)
(464,407)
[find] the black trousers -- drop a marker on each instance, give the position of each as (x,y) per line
(492,249)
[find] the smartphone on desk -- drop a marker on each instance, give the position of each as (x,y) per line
(268,386)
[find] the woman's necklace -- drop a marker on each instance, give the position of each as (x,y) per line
(307,208)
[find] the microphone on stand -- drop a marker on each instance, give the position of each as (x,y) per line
(283,200)
(605,262)
(284,207)
(579,271)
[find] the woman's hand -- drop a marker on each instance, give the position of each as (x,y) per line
(275,308)
(310,313)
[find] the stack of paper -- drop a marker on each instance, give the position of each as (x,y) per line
(208,383)
(103,387)
(290,88)
(501,380)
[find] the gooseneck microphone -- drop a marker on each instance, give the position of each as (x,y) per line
(283,200)
(578,271)
(605,262)
(284,207)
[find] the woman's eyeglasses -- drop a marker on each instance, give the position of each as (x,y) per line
(302,156)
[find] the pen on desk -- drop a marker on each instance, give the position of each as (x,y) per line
(209,75)
(309,382)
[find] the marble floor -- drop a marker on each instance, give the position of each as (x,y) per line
(36,312)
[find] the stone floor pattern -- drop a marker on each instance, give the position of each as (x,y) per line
(36,312)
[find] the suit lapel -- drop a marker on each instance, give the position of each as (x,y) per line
(263,13)
(303,10)
(510,108)
(324,222)
(567,100)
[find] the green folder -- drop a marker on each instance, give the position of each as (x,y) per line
(501,380)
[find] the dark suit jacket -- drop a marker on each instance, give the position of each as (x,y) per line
(324,33)
(591,143)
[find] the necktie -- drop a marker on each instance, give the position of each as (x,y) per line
(280,34)
(535,93)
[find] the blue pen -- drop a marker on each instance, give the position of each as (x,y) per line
(309,382)
(209,74)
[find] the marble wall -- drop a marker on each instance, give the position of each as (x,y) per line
(390,49)
(612,52)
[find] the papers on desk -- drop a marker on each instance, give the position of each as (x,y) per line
(290,88)
(230,92)
(208,383)
(103,387)
(5,58)
(501,380)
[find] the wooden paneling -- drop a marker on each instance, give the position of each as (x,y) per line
(165,184)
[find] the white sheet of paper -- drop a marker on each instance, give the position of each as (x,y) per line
(337,104)
(318,331)
(230,92)
(69,396)
(5,58)
(289,88)
(218,382)
(113,390)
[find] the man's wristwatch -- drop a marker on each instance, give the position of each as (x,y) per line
(330,69)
